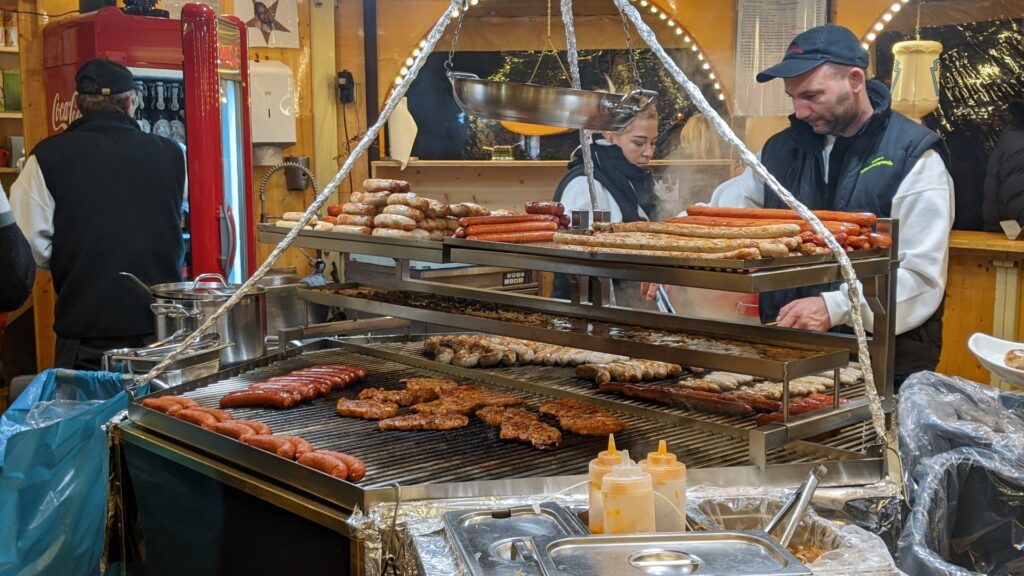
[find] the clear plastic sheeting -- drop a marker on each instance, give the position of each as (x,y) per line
(419,544)
(968,517)
(963,457)
(939,413)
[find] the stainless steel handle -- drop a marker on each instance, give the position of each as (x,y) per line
(798,503)
(213,275)
(173,310)
(137,281)
(526,550)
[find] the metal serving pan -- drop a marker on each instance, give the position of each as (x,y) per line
(548,105)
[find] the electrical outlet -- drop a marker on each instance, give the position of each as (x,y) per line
(346,87)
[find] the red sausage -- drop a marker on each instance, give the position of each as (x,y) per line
(220,415)
(301,445)
(333,209)
(233,429)
(516,237)
(165,404)
(275,444)
(879,241)
(564,220)
(478,220)
(306,391)
(332,379)
(196,417)
(356,468)
(320,386)
(325,463)
(268,398)
(859,218)
(460,232)
(555,208)
(259,427)
(515,227)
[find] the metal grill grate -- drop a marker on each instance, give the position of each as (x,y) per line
(475,452)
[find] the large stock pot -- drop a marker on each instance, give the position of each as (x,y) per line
(186,305)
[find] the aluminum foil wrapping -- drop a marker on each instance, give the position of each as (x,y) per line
(314,208)
(874,403)
(423,547)
(574,72)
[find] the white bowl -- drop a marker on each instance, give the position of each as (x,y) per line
(991,352)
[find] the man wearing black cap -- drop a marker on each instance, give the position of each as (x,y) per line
(103,197)
(847,150)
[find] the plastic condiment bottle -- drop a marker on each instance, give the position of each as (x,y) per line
(628,499)
(599,467)
(669,478)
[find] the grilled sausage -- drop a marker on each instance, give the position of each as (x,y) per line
(516,237)
(333,209)
(377,199)
(356,468)
(220,415)
(274,444)
(233,429)
(269,398)
(302,446)
(711,402)
(879,241)
(744,223)
(359,209)
(513,227)
(332,220)
(394,221)
(325,463)
(385,185)
(699,231)
(409,199)
(196,417)
(469,209)
(259,427)
(354,220)
(414,234)
(480,220)
(555,208)
(165,404)
(859,218)
(403,210)
(306,391)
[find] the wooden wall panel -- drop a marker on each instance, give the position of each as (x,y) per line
(970,291)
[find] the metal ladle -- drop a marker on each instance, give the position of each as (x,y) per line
(138,282)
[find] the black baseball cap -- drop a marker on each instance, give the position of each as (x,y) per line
(814,47)
(103,78)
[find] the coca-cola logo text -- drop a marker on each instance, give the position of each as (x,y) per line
(64,112)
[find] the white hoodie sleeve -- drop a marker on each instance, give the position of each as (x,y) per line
(923,204)
(743,191)
(33,207)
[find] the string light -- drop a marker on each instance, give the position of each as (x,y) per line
(879,26)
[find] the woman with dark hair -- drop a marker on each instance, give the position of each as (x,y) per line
(1004,180)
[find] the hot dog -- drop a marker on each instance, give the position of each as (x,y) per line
(356,468)
(306,391)
(409,199)
(377,199)
(325,463)
(357,230)
(274,444)
(196,417)
(259,427)
(831,226)
(332,379)
(220,415)
(359,209)
(395,222)
(479,220)
(858,218)
(333,209)
(233,429)
(321,386)
(385,185)
(516,237)
(270,398)
(403,210)
(555,208)
(514,227)
(301,445)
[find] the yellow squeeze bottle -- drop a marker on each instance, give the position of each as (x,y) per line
(599,467)
(628,499)
(669,478)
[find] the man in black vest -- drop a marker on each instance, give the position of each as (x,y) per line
(101,198)
(847,150)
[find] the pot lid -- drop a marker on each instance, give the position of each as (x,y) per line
(200,290)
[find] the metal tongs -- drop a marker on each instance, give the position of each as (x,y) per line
(797,504)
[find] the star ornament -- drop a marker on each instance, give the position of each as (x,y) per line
(265,19)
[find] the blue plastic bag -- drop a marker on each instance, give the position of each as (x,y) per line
(54,463)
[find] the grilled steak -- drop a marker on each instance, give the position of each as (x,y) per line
(567,406)
(447,405)
(496,415)
(424,422)
(428,383)
(401,397)
(366,409)
(537,434)
(592,424)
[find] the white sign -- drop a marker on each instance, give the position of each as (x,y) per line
(271,23)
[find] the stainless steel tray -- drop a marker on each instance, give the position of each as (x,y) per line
(777,360)
(485,539)
(423,251)
(702,553)
(754,275)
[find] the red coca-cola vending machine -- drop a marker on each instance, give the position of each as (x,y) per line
(192,85)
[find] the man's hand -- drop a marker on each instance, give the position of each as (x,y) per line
(650,290)
(805,314)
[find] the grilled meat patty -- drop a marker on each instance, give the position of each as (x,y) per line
(424,422)
(366,409)
(496,415)
(405,397)
(537,434)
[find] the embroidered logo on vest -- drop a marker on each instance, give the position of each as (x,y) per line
(880,161)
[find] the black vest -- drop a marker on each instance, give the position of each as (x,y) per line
(117,193)
(864,174)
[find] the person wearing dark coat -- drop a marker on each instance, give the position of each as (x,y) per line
(1004,179)
(17,268)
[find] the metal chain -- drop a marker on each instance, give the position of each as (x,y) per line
(631,51)
(448,66)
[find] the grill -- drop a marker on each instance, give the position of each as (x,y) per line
(434,464)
